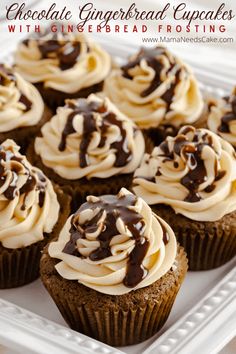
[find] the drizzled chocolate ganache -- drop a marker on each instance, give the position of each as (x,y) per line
(88,109)
(15,166)
(230,114)
(7,77)
(192,152)
(58,46)
(114,207)
(153,59)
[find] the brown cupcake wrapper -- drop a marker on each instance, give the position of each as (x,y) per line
(208,251)
(54,98)
(118,326)
(21,266)
(208,245)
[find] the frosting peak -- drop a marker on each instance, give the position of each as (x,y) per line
(222,118)
(26,200)
(65,62)
(20,103)
(114,244)
(194,173)
(155,88)
(90,138)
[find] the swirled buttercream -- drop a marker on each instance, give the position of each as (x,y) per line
(90,138)
(194,173)
(66,62)
(20,103)
(155,88)
(28,203)
(222,118)
(114,244)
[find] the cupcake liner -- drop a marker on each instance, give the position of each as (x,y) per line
(54,98)
(79,189)
(24,135)
(208,244)
(21,266)
(115,320)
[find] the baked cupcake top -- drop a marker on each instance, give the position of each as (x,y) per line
(194,173)
(114,244)
(222,117)
(66,62)
(20,103)
(90,138)
(155,88)
(28,203)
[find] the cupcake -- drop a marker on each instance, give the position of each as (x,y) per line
(222,117)
(190,180)
(115,270)
(22,111)
(30,215)
(63,65)
(89,147)
(157,91)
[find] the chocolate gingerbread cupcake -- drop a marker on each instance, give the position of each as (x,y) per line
(115,270)
(22,111)
(63,65)
(190,180)
(157,91)
(31,213)
(222,117)
(89,147)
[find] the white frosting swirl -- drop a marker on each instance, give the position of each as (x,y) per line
(194,173)
(222,118)
(101,142)
(28,203)
(66,62)
(107,274)
(20,103)
(155,88)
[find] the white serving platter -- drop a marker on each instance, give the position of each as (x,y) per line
(203,318)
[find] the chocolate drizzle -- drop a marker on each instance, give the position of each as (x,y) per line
(152,57)
(191,150)
(229,116)
(114,207)
(63,49)
(90,125)
(7,77)
(17,167)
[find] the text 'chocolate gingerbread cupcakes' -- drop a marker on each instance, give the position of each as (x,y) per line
(115,270)
(190,181)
